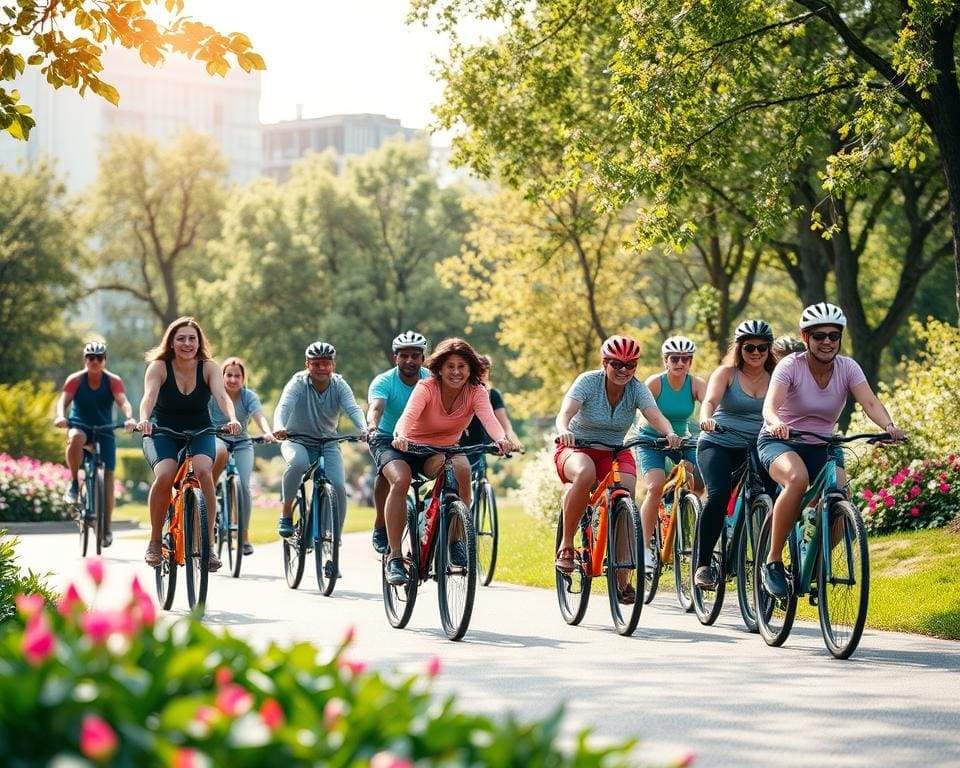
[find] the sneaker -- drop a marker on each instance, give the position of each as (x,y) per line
(213,563)
(650,563)
(328,570)
(774,578)
(626,595)
(285,527)
(72,496)
(396,573)
(705,577)
(247,548)
(380,540)
(458,554)
(107,538)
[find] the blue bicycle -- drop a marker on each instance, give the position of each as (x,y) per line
(90,510)
(233,508)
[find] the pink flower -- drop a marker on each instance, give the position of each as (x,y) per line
(349,634)
(141,606)
(355,667)
(889,501)
(872,504)
(272,714)
(206,715)
(95,570)
(433,666)
(915,511)
(234,700)
(98,741)
(866,493)
(223,676)
(185,757)
(944,487)
(332,713)
(914,491)
(70,603)
(896,479)
(686,760)
(38,640)
(29,605)
(97,625)
(389,760)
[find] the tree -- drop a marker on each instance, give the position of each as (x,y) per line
(32,34)
(153,209)
(40,258)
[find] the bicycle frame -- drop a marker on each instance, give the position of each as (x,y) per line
(182,481)
(676,481)
(595,526)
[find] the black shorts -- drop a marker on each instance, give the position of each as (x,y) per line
(383,453)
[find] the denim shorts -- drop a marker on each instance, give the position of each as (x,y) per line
(156,448)
(814,456)
(383,452)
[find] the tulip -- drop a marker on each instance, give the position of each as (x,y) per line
(95,570)
(433,666)
(98,741)
(29,605)
(272,714)
(38,640)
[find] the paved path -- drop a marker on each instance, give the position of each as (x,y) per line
(715,691)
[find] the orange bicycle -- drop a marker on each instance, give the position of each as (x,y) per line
(185,538)
(608,541)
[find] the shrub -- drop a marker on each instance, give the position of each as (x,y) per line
(541,491)
(922,494)
(116,688)
(26,421)
(14,582)
(31,490)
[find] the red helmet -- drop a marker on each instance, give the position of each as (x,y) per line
(620,348)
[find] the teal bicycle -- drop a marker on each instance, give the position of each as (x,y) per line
(826,559)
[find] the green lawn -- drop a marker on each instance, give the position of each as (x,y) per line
(914,577)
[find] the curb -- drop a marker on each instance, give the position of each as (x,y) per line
(59,526)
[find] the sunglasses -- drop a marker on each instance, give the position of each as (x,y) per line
(619,365)
(680,358)
(821,335)
(755,347)
(95,357)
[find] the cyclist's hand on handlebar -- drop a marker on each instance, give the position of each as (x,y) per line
(233,427)
(566,438)
(897,435)
(780,430)
(146,427)
(506,446)
(130,424)
(708,425)
(401,443)
(280,434)
(673,440)
(60,422)
(269,437)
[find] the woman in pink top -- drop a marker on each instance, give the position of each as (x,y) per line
(807,392)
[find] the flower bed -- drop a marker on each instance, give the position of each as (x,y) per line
(32,490)
(925,493)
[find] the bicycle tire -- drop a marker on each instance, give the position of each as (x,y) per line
(399,599)
(456,585)
(234,521)
(487,527)
(81,510)
(165,574)
(707,603)
(775,615)
(845,596)
(746,566)
(651,575)
(295,546)
(99,507)
(326,547)
(196,546)
(687,509)
(573,589)
(625,566)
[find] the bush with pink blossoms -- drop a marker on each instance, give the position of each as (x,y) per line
(85,686)
(924,493)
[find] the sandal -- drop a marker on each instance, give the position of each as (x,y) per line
(565,562)
(626,595)
(154,555)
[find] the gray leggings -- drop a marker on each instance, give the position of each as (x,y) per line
(300,457)
(243,458)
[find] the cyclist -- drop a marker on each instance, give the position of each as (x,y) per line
(676,392)
(386,398)
(90,394)
(310,404)
(181,378)
(807,392)
(601,405)
(247,406)
(784,346)
(475,434)
(734,398)
(437,412)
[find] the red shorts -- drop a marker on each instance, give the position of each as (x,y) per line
(602,460)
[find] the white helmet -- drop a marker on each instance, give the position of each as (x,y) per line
(95,348)
(822,314)
(409,340)
(678,345)
(320,349)
(753,329)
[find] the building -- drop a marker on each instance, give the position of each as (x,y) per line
(158,102)
(287,141)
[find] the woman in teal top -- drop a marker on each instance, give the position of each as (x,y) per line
(677,392)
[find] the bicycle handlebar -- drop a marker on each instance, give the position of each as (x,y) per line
(232,445)
(187,434)
(95,428)
(656,443)
(454,450)
(303,437)
(838,439)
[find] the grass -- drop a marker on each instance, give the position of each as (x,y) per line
(914,577)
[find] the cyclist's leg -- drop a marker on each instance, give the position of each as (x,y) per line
(789,471)
(397,474)
(158,501)
(652,470)
(220,459)
(579,470)
(461,469)
(204,452)
(243,458)
(298,460)
(108,455)
(381,488)
(333,466)
(73,452)
(717,463)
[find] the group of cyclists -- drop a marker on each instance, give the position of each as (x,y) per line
(750,402)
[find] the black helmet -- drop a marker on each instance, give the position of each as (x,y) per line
(753,329)
(320,349)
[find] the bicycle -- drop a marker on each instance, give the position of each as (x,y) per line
(483,506)
(608,541)
(185,537)
(316,526)
(233,513)
(733,555)
(672,539)
(91,508)
(826,558)
(428,536)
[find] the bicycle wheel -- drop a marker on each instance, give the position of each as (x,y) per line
(99,507)
(398,600)
(775,614)
(844,581)
(326,548)
(166,573)
(651,571)
(295,547)
(456,583)
(196,546)
(81,510)
(708,602)
(488,530)
(625,567)
(573,589)
(687,510)
(746,567)
(231,520)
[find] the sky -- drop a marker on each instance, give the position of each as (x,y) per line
(334,56)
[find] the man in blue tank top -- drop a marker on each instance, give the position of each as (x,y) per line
(90,395)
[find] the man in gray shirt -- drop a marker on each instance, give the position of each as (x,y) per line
(310,405)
